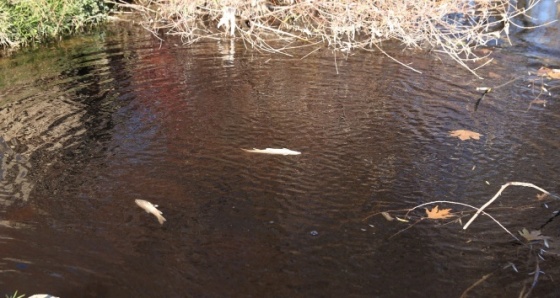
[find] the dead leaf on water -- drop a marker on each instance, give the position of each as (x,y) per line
(541,197)
(539,102)
(494,75)
(435,213)
(464,134)
(548,72)
(543,71)
(533,235)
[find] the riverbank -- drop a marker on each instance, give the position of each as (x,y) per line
(455,28)
(452,27)
(23,23)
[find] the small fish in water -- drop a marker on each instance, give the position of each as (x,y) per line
(283,151)
(150,208)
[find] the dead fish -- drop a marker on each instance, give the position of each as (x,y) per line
(150,208)
(283,151)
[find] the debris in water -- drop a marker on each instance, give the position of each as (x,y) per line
(533,235)
(512,265)
(314,233)
(283,151)
(387,216)
(437,213)
(150,208)
(551,73)
(464,134)
(401,219)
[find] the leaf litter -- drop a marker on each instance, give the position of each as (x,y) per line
(436,213)
(532,235)
(464,134)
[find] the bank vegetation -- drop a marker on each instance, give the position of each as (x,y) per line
(25,22)
(453,27)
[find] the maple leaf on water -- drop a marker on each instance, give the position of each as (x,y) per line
(533,235)
(464,134)
(435,213)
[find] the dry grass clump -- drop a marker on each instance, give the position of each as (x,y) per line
(454,27)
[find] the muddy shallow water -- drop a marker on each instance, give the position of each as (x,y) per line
(94,123)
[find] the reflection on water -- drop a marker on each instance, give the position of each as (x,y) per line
(109,120)
(543,12)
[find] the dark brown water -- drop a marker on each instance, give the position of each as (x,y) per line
(92,124)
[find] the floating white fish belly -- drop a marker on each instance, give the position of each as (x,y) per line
(150,208)
(283,151)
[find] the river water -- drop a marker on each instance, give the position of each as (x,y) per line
(95,122)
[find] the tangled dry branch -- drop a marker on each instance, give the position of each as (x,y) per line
(453,27)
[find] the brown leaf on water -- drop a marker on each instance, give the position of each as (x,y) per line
(435,213)
(548,72)
(543,71)
(494,75)
(533,235)
(539,102)
(554,74)
(541,197)
(464,135)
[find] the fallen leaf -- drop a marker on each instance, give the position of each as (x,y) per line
(539,102)
(494,75)
(435,213)
(463,134)
(541,197)
(543,71)
(533,235)
(551,73)
(554,74)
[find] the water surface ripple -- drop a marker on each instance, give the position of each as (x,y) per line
(95,123)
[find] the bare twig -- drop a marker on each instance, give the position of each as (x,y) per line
(498,194)
(466,205)
(485,277)
(454,27)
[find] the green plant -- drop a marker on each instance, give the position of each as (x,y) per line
(35,21)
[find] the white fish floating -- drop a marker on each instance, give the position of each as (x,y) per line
(283,151)
(150,208)
(42,296)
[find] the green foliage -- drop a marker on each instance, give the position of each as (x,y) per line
(35,21)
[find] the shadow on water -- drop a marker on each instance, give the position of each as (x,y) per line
(95,123)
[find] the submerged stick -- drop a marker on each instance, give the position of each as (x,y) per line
(485,277)
(466,205)
(498,194)
(481,98)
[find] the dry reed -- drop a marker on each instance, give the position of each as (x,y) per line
(454,27)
